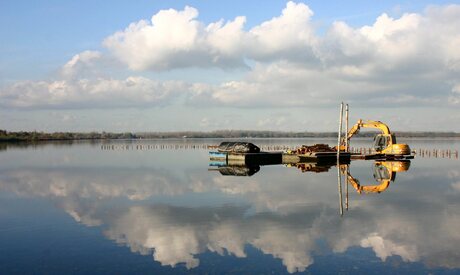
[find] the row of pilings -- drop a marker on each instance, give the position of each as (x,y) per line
(419,152)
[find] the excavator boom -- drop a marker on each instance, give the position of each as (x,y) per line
(368,188)
(368,124)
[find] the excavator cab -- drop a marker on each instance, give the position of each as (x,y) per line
(381,173)
(380,142)
(383,141)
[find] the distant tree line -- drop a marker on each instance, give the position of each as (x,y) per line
(37,136)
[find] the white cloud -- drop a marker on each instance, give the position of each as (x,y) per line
(284,84)
(80,63)
(266,122)
(454,97)
(289,36)
(88,93)
(174,39)
(395,62)
(405,61)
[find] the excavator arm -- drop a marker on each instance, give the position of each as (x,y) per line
(368,188)
(384,173)
(368,124)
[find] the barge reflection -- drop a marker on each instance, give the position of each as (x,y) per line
(384,172)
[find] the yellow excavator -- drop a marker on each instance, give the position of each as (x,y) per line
(384,143)
(384,173)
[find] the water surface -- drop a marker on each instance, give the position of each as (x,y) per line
(147,207)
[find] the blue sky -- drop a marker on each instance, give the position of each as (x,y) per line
(393,71)
(48,33)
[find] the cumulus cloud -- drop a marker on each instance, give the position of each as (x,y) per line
(289,36)
(176,39)
(83,83)
(173,39)
(454,97)
(88,93)
(405,61)
(400,61)
(281,84)
(80,64)
(394,61)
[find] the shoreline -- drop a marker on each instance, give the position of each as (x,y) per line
(13,140)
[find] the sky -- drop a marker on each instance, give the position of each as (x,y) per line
(208,65)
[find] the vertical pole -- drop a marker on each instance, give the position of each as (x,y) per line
(339,178)
(339,183)
(346,187)
(340,132)
(347,145)
(347,149)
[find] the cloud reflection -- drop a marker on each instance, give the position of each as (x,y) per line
(283,220)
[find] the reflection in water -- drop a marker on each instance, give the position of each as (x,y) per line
(384,173)
(312,167)
(232,168)
(239,170)
(282,213)
(176,234)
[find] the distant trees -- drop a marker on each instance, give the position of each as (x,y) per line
(37,136)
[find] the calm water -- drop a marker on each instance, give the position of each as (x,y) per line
(79,208)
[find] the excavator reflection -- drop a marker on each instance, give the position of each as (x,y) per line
(384,173)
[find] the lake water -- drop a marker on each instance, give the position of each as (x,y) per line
(157,206)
